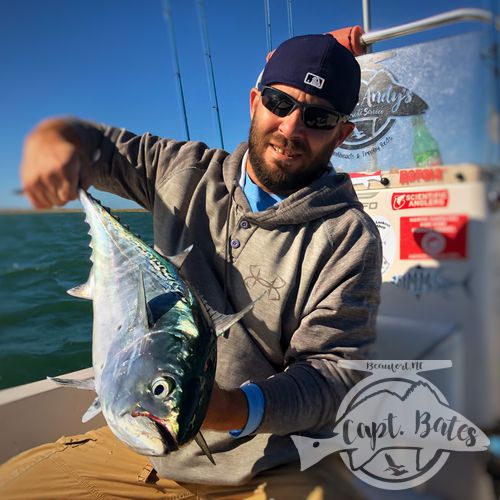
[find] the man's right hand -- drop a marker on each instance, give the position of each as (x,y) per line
(54,164)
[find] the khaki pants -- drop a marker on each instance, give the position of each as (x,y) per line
(96,465)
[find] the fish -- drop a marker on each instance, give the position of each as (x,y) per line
(420,280)
(154,340)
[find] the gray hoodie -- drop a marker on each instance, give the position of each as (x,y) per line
(316,257)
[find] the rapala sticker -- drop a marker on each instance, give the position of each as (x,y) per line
(388,237)
(433,237)
(420,199)
(420,175)
(364,178)
(394,429)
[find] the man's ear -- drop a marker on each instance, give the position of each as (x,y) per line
(345,131)
(254,99)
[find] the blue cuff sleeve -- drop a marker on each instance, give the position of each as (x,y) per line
(256,404)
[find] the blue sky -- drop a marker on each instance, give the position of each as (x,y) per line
(110,61)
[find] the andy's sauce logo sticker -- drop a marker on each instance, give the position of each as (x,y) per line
(394,429)
(420,199)
(381,100)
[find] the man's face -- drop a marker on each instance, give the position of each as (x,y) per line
(285,155)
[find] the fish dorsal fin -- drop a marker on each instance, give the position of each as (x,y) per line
(178,260)
(143,315)
(86,384)
(200,441)
(222,322)
(93,410)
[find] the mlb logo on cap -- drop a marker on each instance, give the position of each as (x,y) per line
(314,80)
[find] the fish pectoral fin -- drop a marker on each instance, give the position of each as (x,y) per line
(178,260)
(93,410)
(222,322)
(200,441)
(86,384)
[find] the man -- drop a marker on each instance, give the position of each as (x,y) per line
(273,217)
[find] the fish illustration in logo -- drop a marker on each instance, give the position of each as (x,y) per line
(395,430)
(384,419)
(398,201)
(420,280)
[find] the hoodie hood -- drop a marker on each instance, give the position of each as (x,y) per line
(324,197)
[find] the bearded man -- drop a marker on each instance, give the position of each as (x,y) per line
(271,219)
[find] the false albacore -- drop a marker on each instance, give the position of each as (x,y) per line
(154,340)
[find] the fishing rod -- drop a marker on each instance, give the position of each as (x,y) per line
(367,21)
(209,67)
(167,13)
(267,12)
(290,18)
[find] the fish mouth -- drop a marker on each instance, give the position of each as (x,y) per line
(167,437)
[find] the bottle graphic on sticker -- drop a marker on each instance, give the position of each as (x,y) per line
(425,148)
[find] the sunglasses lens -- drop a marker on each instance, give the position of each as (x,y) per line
(276,102)
(320,118)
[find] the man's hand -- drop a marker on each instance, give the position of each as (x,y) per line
(54,164)
(228,410)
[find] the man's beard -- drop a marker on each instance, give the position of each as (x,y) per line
(280,180)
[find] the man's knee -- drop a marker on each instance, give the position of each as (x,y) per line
(41,471)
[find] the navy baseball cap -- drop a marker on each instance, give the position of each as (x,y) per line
(318,65)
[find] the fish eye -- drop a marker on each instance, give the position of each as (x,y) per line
(162,387)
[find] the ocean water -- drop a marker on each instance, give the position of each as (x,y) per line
(43,330)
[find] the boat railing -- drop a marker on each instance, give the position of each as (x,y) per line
(453,16)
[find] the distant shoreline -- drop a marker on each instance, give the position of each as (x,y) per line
(29,211)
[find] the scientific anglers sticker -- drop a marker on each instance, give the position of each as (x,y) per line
(394,429)
(433,237)
(420,199)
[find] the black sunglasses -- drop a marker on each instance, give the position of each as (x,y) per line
(313,116)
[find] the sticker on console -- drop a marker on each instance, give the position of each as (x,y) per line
(434,237)
(388,238)
(420,199)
